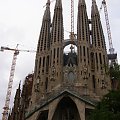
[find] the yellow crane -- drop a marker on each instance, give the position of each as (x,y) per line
(11,77)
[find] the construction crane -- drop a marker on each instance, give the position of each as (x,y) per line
(112,56)
(10,83)
(72,35)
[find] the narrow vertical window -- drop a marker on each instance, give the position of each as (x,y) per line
(80,53)
(40,62)
(47,64)
(46,84)
(94,84)
(96,60)
(57,55)
(44,62)
(60,56)
(92,61)
(54,53)
(100,57)
(88,54)
(104,59)
(84,50)
(51,58)
(57,52)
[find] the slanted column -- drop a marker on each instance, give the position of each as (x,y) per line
(52,109)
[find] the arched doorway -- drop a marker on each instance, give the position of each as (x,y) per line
(66,110)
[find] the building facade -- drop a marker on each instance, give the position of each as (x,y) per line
(66,86)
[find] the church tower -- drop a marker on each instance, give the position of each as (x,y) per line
(83,38)
(67,86)
(99,60)
(56,47)
(42,62)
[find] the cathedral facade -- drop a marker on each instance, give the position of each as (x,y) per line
(66,86)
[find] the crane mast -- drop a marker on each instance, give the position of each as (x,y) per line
(111,49)
(72,35)
(112,57)
(10,83)
(72,17)
(9,90)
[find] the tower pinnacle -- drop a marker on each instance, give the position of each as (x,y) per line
(47,11)
(43,45)
(94,7)
(57,24)
(83,40)
(82,25)
(58,4)
(82,2)
(99,39)
(48,2)
(56,45)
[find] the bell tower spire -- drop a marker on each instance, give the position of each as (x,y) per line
(81,2)
(83,38)
(99,53)
(47,11)
(94,7)
(58,4)
(42,56)
(98,39)
(48,2)
(57,37)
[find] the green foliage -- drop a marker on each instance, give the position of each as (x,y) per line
(115,72)
(108,108)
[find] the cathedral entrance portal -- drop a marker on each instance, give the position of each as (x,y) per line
(66,110)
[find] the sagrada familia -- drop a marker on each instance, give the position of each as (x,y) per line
(65,86)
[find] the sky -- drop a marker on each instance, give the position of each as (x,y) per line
(20,23)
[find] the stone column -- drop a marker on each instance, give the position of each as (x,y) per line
(81,108)
(52,109)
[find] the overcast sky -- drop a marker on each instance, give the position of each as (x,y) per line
(20,23)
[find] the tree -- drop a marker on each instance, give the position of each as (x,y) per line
(108,108)
(114,72)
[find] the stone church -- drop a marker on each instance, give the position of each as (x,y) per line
(65,86)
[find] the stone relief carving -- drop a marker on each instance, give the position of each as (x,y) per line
(70,73)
